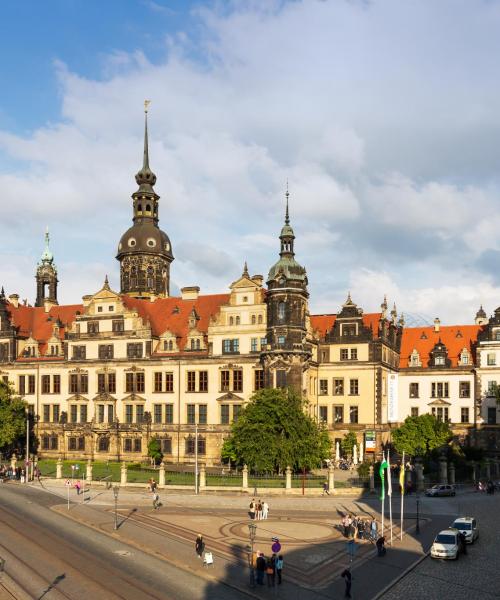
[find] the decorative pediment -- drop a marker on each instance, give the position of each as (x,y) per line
(439,402)
(133,398)
(230,397)
(77,398)
(104,397)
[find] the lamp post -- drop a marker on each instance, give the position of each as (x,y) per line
(252,529)
(417,529)
(116,489)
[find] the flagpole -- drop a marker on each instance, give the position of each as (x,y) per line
(402,484)
(383,498)
(389,490)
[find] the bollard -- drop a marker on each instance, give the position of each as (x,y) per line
(244,484)
(59,467)
(288,484)
(331,477)
(161,473)
(123,474)
(203,477)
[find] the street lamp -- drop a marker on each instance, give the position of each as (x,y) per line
(417,529)
(116,489)
(252,529)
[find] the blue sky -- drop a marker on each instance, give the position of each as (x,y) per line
(382,115)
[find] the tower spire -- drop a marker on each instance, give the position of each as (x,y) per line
(145,177)
(287,216)
(145,163)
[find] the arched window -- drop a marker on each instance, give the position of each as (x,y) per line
(260,319)
(231,321)
(150,278)
(253,319)
(148,208)
(139,208)
(237,320)
(281,312)
(197,344)
(170,345)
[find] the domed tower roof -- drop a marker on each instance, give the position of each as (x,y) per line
(144,250)
(287,269)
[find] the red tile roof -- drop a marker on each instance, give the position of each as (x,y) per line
(324,323)
(423,339)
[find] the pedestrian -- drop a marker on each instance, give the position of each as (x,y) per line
(381,546)
(251,511)
(156,501)
(78,487)
(200,545)
(265,509)
(38,474)
(279,567)
(463,542)
(326,489)
(271,570)
(154,485)
(373,529)
(346,574)
(260,564)
(259,510)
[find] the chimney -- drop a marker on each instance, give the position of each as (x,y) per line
(437,325)
(258,279)
(14,300)
(190,293)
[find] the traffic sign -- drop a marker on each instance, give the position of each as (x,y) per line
(276,547)
(68,482)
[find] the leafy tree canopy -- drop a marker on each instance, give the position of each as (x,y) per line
(12,419)
(348,442)
(420,435)
(273,431)
(154,450)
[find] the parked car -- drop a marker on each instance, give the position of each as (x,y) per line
(446,544)
(440,490)
(468,526)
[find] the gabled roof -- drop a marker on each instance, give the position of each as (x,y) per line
(324,323)
(34,321)
(423,339)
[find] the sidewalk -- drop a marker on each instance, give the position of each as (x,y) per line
(314,550)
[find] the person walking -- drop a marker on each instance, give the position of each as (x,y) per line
(259,510)
(156,501)
(260,565)
(78,487)
(326,489)
(265,509)
(279,567)
(199,546)
(381,546)
(251,511)
(463,542)
(346,574)
(373,529)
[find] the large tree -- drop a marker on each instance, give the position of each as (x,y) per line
(420,435)
(12,420)
(273,431)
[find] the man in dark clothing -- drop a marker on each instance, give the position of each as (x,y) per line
(381,546)
(346,574)
(463,542)
(260,565)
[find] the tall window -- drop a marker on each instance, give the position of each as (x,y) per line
(464,414)
(78,383)
(237,380)
(440,412)
(191,381)
(465,391)
(129,413)
(134,350)
(353,414)
(254,344)
(353,387)
(106,351)
(100,413)
(73,413)
(79,352)
(45,384)
(169,414)
(323,414)
(202,414)
(106,383)
(338,387)
(258,379)
(281,378)
(323,387)
(56,382)
(281,312)
(191,414)
(190,445)
(413,390)
(46,413)
(414,411)
(203,375)
(157,413)
(224,414)
(93,327)
(224,381)
(134,382)
(83,413)
(139,413)
(166,445)
(338,414)
(117,326)
(231,346)
(439,389)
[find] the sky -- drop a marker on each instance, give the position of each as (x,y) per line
(382,115)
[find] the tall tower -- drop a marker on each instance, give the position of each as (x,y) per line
(287,352)
(144,250)
(46,276)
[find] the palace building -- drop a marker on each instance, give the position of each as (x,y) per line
(104,376)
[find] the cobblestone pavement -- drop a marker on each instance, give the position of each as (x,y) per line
(476,574)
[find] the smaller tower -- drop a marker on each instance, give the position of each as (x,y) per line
(481,318)
(46,276)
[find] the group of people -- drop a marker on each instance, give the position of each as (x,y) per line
(355,527)
(17,473)
(270,567)
(258,510)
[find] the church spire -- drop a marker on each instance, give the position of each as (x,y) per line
(287,216)
(47,256)
(145,177)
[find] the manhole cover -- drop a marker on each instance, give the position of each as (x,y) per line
(123,552)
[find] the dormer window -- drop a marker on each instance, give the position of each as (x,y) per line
(464,357)
(439,361)
(415,359)
(231,320)
(349,329)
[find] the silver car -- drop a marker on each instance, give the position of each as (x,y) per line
(440,490)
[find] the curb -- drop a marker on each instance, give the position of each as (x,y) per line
(400,577)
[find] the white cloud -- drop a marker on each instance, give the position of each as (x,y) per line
(381,117)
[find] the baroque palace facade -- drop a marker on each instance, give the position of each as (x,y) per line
(102,377)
